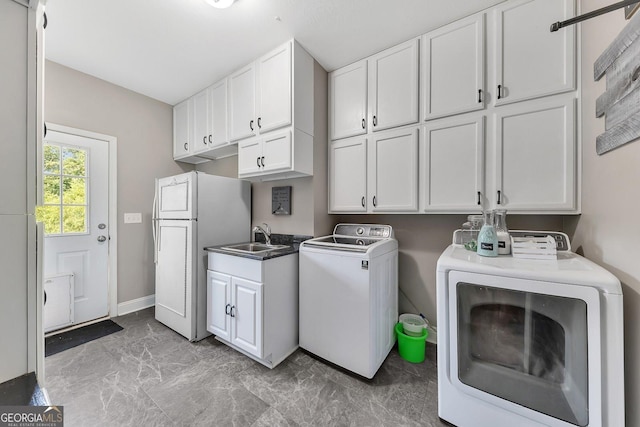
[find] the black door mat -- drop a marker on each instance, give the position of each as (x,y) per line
(66,340)
(23,390)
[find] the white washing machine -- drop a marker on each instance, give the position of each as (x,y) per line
(529,342)
(349,296)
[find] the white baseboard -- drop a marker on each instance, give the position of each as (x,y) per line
(433,336)
(136,304)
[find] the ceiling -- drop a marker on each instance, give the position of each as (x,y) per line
(171,49)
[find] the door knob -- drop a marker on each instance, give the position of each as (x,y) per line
(102,239)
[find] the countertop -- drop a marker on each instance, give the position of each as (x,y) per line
(292,241)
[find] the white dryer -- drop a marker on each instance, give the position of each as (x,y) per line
(349,296)
(529,342)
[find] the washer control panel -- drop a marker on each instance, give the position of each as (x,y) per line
(364,230)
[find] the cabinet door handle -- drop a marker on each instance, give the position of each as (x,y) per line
(499,91)
(259,125)
(374,202)
(204,140)
(258,161)
(227,309)
(251,124)
(231,312)
(262,160)
(210,139)
(363,123)
(479,198)
(479,95)
(499,197)
(363,201)
(186,146)
(375,121)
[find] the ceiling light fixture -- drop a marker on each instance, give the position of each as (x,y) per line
(220,4)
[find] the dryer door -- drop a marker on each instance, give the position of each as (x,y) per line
(529,346)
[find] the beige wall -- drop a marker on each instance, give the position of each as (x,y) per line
(607,230)
(143,127)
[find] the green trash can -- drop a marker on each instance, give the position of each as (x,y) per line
(411,348)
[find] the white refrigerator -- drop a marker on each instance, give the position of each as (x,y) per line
(192,211)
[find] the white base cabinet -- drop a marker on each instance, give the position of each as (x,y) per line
(252,305)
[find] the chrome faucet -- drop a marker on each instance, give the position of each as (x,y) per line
(266,230)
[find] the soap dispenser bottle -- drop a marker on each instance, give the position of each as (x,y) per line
(504,240)
(487,238)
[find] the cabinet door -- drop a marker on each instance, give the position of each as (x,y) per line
(393,171)
(348,101)
(181,128)
(218,113)
(274,89)
(393,86)
(348,175)
(276,152)
(453,68)
(452,165)
(530,60)
(219,304)
(246,314)
(249,156)
(201,133)
(242,85)
(536,156)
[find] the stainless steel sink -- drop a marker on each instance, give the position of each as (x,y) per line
(253,248)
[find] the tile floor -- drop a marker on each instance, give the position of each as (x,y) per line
(147,375)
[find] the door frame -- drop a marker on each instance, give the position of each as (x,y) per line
(112,142)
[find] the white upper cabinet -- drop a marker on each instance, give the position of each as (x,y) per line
(536,156)
(530,61)
(218,114)
(274,89)
(377,93)
(201,122)
(181,128)
(275,123)
(453,64)
(392,174)
(348,175)
(183,138)
(242,103)
(452,165)
(348,101)
(260,95)
(393,86)
(257,156)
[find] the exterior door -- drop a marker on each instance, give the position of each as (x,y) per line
(75,213)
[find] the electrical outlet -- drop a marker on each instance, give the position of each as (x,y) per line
(133,218)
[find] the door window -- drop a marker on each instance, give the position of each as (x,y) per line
(64,186)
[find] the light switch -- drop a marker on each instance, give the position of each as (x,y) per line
(133,218)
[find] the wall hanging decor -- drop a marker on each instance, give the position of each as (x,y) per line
(620,103)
